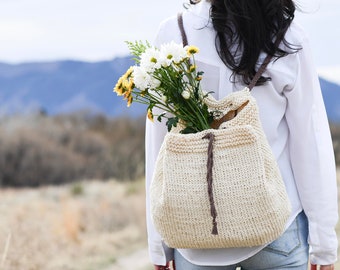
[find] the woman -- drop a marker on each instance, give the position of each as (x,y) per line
(234,37)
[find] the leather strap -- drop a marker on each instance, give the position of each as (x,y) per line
(258,74)
(181,27)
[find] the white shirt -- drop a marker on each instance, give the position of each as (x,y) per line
(295,123)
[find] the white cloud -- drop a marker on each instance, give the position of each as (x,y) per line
(96,30)
(82,29)
(19,31)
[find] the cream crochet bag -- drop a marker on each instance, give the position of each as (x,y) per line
(244,205)
(222,187)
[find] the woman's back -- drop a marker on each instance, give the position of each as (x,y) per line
(292,114)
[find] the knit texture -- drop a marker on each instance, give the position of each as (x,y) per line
(250,198)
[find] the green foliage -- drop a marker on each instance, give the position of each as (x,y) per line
(137,48)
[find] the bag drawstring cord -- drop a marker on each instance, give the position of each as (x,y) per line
(210,163)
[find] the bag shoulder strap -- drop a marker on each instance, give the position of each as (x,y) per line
(181,27)
(258,74)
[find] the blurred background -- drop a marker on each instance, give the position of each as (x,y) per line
(71,153)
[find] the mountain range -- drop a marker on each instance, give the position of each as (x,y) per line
(63,87)
(67,86)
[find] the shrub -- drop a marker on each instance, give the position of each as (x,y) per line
(335,129)
(37,150)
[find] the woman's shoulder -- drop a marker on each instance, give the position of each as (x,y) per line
(168,31)
(169,22)
(295,34)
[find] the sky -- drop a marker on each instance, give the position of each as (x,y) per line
(94,30)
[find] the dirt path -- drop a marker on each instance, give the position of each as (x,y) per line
(138,260)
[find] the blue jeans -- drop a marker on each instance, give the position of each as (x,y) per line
(290,251)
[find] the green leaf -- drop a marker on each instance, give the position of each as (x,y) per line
(172,122)
(159,118)
(151,105)
(188,130)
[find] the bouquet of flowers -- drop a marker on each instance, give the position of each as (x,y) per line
(167,78)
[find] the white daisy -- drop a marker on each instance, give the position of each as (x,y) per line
(172,52)
(150,59)
(153,83)
(141,78)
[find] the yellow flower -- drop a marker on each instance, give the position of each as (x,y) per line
(143,93)
(130,99)
(192,68)
(128,85)
(128,73)
(119,87)
(150,115)
(198,78)
(127,94)
(131,83)
(192,50)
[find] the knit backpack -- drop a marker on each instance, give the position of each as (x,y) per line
(221,187)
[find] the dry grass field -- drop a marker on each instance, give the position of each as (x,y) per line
(91,225)
(84,226)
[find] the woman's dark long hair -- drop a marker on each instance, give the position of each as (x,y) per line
(245,28)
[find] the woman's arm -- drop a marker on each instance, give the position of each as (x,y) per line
(312,159)
(155,132)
